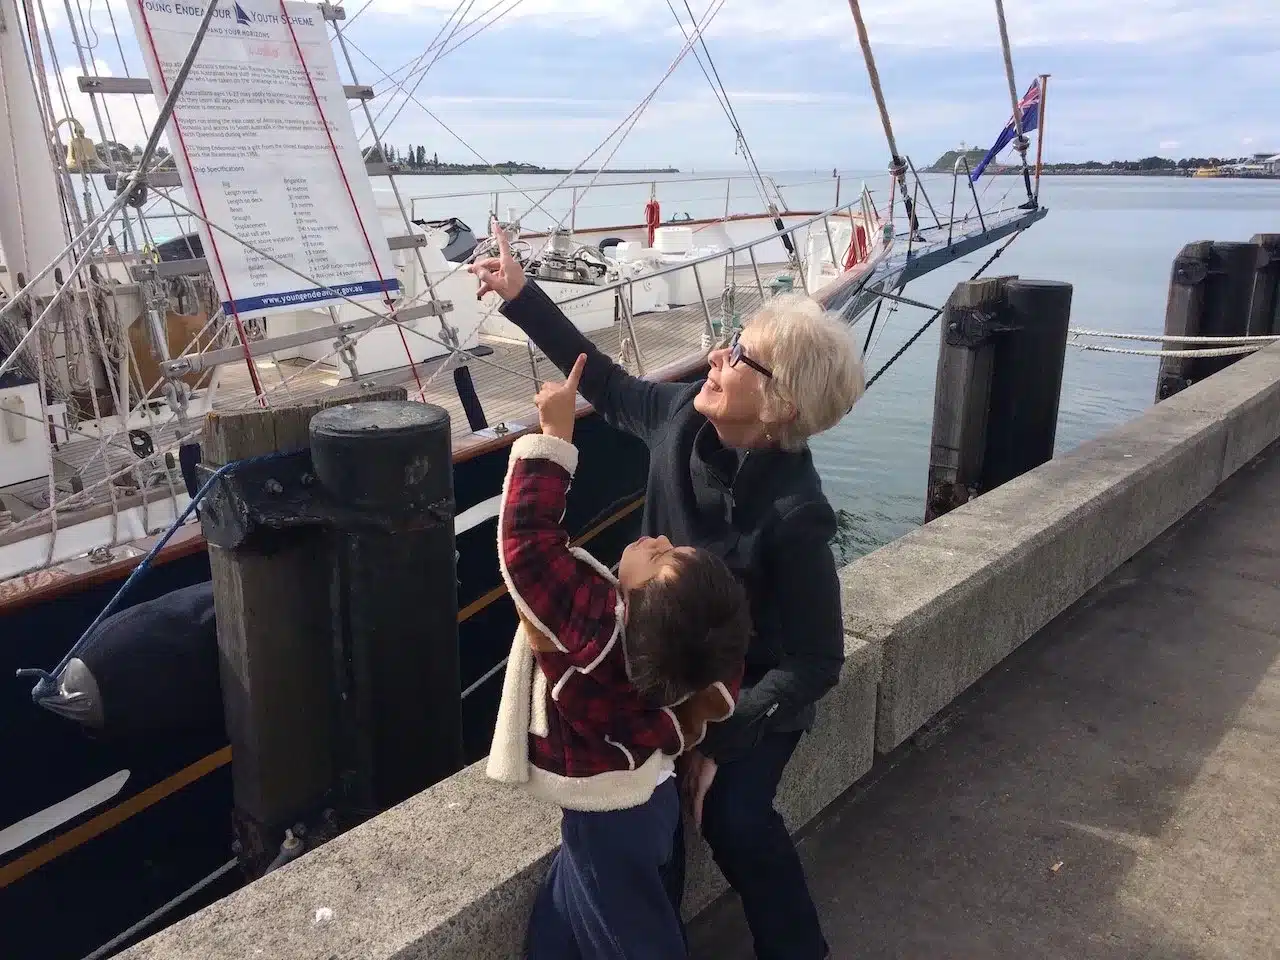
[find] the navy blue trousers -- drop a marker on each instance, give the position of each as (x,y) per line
(604,898)
(755,853)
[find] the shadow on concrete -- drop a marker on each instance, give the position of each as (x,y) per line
(1111,791)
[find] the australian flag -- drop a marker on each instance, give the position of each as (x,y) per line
(1029,106)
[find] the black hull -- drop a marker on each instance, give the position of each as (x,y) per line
(73,888)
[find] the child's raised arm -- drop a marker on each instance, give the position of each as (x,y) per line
(559,595)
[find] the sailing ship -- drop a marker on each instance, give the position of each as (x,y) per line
(114,343)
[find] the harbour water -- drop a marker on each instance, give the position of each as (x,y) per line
(1113,238)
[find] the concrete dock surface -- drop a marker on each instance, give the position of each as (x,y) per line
(1110,791)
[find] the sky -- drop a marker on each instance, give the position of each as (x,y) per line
(549,80)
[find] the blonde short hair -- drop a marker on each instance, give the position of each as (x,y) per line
(817,368)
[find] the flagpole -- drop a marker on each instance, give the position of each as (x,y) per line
(1044,83)
(1020,143)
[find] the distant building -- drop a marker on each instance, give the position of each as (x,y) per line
(1273,163)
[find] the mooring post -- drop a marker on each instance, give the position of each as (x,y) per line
(395,596)
(1212,293)
(1264,304)
(1026,380)
(999,380)
(1183,314)
(960,399)
(1228,290)
(271,588)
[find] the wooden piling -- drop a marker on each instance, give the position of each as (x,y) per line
(1228,289)
(1217,290)
(999,378)
(1026,380)
(1183,314)
(395,597)
(1264,302)
(273,642)
(961,397)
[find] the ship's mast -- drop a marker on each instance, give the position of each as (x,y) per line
(32,227)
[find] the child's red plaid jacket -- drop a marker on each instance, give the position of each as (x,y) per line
(592,741)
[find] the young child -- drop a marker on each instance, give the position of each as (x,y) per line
(608,681)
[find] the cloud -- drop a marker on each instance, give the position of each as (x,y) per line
(551,78)
(919,23)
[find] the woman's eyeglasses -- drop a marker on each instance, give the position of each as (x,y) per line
(738,355)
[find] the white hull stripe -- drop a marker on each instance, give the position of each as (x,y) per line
(64,811)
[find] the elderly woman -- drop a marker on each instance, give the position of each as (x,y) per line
(730,470)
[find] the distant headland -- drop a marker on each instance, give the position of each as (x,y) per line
(416,160)
(1262,165)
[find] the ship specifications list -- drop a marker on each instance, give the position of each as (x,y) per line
(249,139)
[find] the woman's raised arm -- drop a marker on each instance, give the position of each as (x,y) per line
(628,403)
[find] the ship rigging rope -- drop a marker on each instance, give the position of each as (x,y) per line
(632,118)
(346,41)
(897,167)
(89,67)
(446,328)
(100,224)
(60,154)
(166,113)
(85,324)
(1020,141)
(47,680)
(439,51)
(722,98)
(355,207)
(416,62)
(137,105)
(411,67)
(621,131)
(937,313)
(39,74)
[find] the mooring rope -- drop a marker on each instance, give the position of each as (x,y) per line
(1172,338)
(1215,352)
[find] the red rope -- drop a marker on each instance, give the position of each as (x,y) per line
(386,293)
(182,145)
(652,217)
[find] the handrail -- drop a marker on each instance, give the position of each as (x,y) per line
(718,255)
(977,205)
(570,186)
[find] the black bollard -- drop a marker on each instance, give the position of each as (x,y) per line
(960,398)
(999,379)
(1026,380)
(394,596)
(1264,304)
(1183,315)
(1228,289)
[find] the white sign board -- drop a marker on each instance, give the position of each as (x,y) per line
(250,141)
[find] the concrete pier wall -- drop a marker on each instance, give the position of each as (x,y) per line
(451,872)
